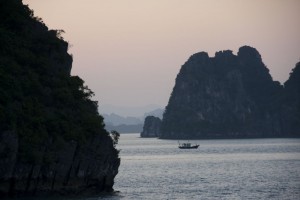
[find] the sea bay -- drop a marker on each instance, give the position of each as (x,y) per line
(219,169)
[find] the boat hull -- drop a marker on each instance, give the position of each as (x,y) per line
(191,147)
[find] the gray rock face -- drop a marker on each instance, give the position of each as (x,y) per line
(87,169)
(226,96)
(291,106)
(8,154)
(151,127)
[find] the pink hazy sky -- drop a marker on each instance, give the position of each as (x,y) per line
(130,51)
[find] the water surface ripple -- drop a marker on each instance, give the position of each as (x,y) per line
(219,169)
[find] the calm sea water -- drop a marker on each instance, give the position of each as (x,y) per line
(219,169)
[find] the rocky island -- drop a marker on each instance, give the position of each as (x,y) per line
(52,138)
(231,96)
(151,127)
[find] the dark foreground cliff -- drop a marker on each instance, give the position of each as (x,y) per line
(231,96)
(52,139)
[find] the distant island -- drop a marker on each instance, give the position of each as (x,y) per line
(129,124)
(151,127)
(231,96)
(52,138)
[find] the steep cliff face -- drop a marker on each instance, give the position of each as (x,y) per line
(226,96)
(52,138)
(72,169)
(151,127)
(291,105)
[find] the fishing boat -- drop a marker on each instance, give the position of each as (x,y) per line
(188,146)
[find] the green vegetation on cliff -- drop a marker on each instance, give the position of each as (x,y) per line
(39,98)
(41,104)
